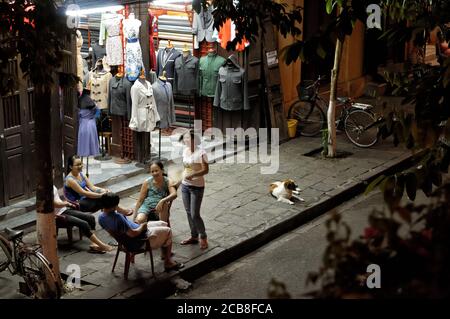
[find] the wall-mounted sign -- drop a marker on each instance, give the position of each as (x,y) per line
(272,58)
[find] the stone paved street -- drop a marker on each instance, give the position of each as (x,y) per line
(236,209)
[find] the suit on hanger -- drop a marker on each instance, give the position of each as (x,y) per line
(203,27)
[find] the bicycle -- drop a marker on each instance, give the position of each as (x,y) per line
(26,261)
(356,119)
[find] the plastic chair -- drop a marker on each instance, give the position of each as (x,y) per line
(130,255)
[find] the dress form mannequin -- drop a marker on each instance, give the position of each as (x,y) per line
(143,135)
(103,118)
(186,77)
(119,102)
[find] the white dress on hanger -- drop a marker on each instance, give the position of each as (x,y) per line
(133,51)
(114,51)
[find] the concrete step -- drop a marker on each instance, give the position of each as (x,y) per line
(123,188)
(101,180)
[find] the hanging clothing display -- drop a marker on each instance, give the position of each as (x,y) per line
(231,92)
(133,52)
(227,33)
(209,66)
(152,21)
(203,27)
(110,24)
(166,62)
(144,114)
(186,74)
(163,94)
(119,96)
(87,130)
(79,61)
(99,80)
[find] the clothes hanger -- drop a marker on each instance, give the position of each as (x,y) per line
(169,45)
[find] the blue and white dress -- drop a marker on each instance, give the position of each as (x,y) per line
(133,52)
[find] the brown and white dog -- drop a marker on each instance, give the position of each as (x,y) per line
(285,190)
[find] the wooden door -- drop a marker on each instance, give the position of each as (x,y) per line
(17,139)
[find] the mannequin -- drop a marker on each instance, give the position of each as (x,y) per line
(98,52)
(163,77)
(99,78)
(166,62)
(186,77)
(119,104)
(144,115)
(209,66)
(133,62)
(232,96)
(162,91)
(143,110)
(110,25)
(87,130)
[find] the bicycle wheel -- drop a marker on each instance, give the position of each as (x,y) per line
(5,253)
(311,119)
(39,276)
(360,128)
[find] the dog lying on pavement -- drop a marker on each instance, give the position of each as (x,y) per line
(286,190)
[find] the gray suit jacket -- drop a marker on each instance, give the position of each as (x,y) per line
(164,103)
(119,97)
(203,26)
(186,75)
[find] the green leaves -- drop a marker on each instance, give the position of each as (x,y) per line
(329,6)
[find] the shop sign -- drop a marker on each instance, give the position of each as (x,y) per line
(272,58)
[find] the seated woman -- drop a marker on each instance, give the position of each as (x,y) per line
(156,194)
(79,190)
(85,222)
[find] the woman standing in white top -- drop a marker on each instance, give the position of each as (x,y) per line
(193,186)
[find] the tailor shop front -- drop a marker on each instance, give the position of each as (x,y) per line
(149,67)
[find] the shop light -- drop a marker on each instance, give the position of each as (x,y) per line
(163,2)
(84,12)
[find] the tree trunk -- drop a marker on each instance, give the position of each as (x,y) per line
(331,114)
(46,228)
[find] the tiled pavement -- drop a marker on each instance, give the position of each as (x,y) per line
(238,213)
